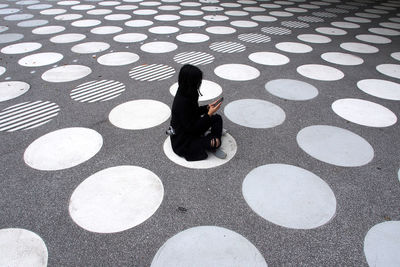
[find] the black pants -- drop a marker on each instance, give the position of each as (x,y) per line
(216,132)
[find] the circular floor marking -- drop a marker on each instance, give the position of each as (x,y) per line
(67,38)
(167,17)
(90,47)
(335,146)
(2,70)
(116,199)
(20,247)
(390,25)
(244,24)
(216,18)
(95,91)
(145,12)
(357,19)
(194,58)
(152,72)
(7,11)
(192,37)
(48,30)
(291,89)
(237,72)
(220,30)
(118,59)
(289,196)
(364,112)
(228,146)
(66,73)
(158,47)
(381,244)
(345,25)
(27,115)
(32,23)
(254,38)
(130,37)
(255,113)
(283,14)
(396,55)
(380,88)
(82,7)
(342,58)
(10,37)
(269,58)
(40,59)
(384,31)
(208,246)
(320,72)
(359,48)
(139,23)
(139,114)
(192,23)
(21,48)
(86,23)
(374,39)
(12,89)
(227,47)
(391,70)
(331,31)
(314,38)
(68,17)
(52,12)
(18,17)
(99,12)
(276,30)
(62,149)
(293,47)
(164,30)
(106,30)
(126,7)
(209,90)
(117,17)
(263,18)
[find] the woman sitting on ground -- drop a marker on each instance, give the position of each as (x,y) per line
(191,121)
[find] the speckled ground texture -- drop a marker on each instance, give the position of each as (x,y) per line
(38,200)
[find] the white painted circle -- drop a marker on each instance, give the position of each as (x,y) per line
(53,12)
(320,72)
(83,7)
(169,7)
(20,247)
(293,47)
(18,17)
(208,89)
(106,30)
(216,18)
(150,3)
(208,246)
(2,70)
(212,8)
(117,17)
(381,244)
(374,39)
(63,149)
(254,113)
(244,24)
(380,88)
(384,31)
(118,59)
(137,23)
(66,73)
(342,59)
(220,30)
(228,146)
(396,55)
(335,146)
(314,38)
(67,38)
(109,3)
(237,72)
(345,25)
(236,13)
(330,31)
(390,25)
(90,47)
(86,23)
(359,48)
(12,89)
(269,58)
(130,37)
(289,196)
(263,18)
(21,48)
(191,13)
(31,23)
(357,19)
(40,59)
(48,30)
(192,23)
(116,199)
(291,89)
(99,12)
(391,70)
(145,12)
(10,37)
(139,114)
(163,29)
(364,112)
(167,17)
(66,17)
(281,14)
(126,7)
(158,47)
(192,37)
(68,3)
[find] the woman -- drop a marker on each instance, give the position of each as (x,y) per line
(191,121)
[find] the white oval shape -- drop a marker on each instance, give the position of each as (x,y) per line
(40,59)
(380,88)
(66,73)
(158,47)
(237,72)
(342,58)
(269,58)
(293,47)
(208,89)
(130,37)
(12,89)
(291,89)
(192,37)
(359,48)
(320,72)
(67,38)
(220,30)
(90,47)
(48,30)
(391,70)
(118,59)
(314,38)
(21,48)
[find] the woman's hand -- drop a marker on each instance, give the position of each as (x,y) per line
(212,108)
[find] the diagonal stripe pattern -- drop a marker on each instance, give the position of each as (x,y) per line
(254,38)
(27,115)
(194,58)
(227,47)
(152,72)
(95,91)
(276,30)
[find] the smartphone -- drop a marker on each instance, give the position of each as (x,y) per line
(219,101)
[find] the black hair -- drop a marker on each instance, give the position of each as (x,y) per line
(189,82)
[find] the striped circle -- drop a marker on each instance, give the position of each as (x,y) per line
(95,91)
(310,19)
(276,30)
(194,58)
(295,24)
(152,72)
(254,38)
(27,115)
(227,47)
